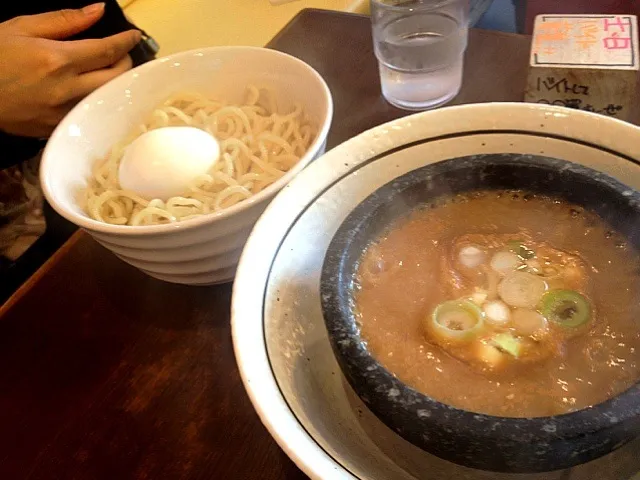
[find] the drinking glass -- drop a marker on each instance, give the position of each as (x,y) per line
(420,48)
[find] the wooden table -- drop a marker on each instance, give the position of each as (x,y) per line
(109,374)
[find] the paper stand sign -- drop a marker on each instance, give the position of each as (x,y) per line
(587,62)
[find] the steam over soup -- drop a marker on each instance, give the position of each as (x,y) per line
(505,303)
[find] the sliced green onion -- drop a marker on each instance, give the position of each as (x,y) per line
(489,354)
(456,321)
(479,296)
(471,256)
(522,289)
(528,322)
(519,248)
(496,313)
(505,262)
(507,343)
(566,308)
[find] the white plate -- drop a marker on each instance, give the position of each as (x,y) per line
(280,341)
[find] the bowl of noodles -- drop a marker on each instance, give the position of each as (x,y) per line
(270,113)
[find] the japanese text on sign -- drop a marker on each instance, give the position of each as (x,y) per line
(586,40)
(577,103)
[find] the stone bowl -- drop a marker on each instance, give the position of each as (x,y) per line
(514,445)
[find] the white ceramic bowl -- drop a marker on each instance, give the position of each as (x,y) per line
(279,335)
(204,250)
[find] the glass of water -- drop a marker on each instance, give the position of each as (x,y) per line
(420,48)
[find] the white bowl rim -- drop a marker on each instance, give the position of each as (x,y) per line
(249,343)
(143,230)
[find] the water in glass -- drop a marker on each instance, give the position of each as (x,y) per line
(420,55)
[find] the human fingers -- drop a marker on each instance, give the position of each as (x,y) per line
(87,82)
(96,54)
(59,24)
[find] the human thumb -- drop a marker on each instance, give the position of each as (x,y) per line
(60,24)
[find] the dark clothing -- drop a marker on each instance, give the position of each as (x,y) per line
(14,149)
(112,22)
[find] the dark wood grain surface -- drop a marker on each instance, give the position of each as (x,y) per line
(109,374)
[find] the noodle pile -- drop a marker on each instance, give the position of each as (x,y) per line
(257,144)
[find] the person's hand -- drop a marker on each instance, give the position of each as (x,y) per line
(42,76)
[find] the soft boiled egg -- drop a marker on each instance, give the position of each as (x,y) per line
(162,163)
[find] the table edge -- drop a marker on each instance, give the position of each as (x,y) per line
(305,12)
(333,13)
(40,272)
(499,33)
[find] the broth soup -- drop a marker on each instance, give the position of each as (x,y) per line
(506,303)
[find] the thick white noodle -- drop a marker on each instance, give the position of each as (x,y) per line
(258,145)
